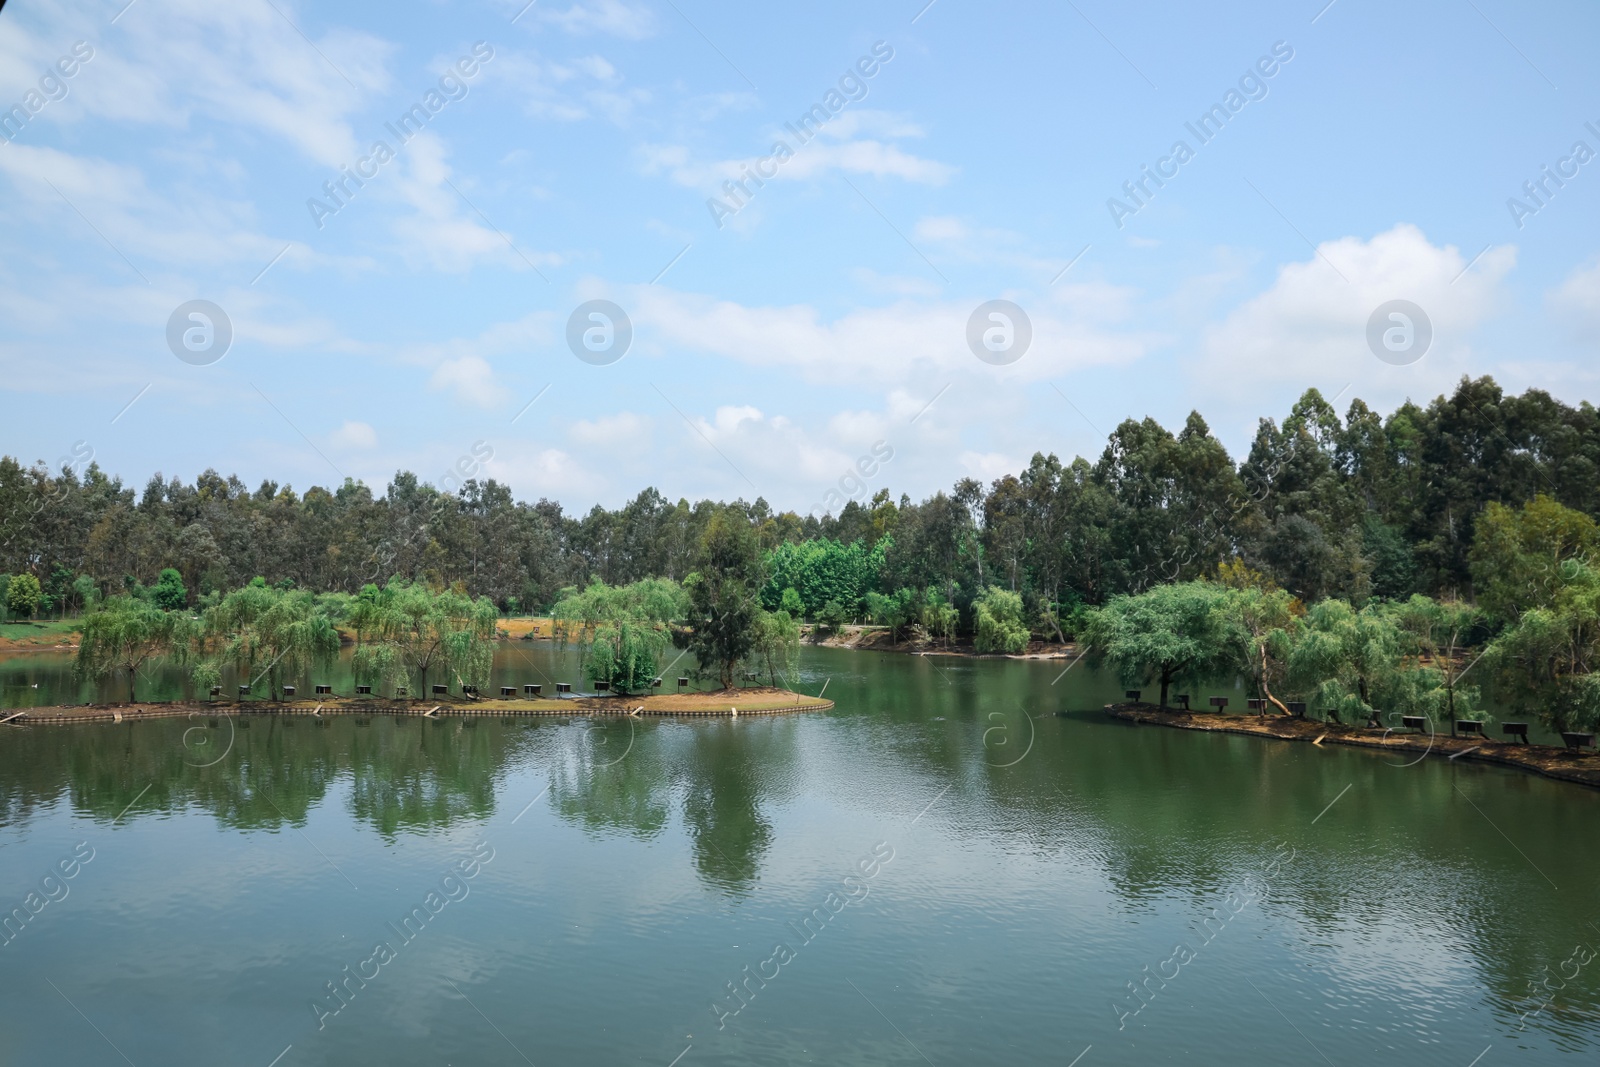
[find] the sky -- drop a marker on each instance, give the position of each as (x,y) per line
(396,221)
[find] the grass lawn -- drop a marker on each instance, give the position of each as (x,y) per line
(24,632)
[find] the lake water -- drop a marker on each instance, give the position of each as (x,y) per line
(961,863)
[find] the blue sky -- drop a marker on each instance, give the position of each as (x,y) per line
(774,344)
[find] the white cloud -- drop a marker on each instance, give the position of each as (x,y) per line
(471,378)
(1075,328)
(630,21)
(813,159)
(1309,327)
(623,429)
(355,435)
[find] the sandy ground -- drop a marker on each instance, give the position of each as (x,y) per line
(756,700)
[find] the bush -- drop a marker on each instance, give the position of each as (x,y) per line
(169,593)
(832,616)
(23,595)
(1000,625)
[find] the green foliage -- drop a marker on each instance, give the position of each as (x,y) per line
(622,630)
(169,593)
(260,630)
(1546,663)
(999,622)
(1441,631)
(23,595)
(723,593)
(833,617)
(1261,621)
(896,610)
(1523,557)
(87,592)
(126,634)
(939,617)
(790,602)
(822,570)
(1172,633)
(625,655)
(1353,663)
(776,649)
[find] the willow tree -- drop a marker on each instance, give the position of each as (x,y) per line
(1171,633)
(777,647)
(1262,618)
(622,631)
(127,634)
(261,630)
(447,631)
(1548,663)
(1441,630)
(1356,662)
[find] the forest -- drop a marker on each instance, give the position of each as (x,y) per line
(1353,507)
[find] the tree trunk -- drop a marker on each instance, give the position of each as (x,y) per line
(1166,679)
(1266,691)
(132,674)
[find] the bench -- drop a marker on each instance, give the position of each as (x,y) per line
(1413,722)
(563,687)
(1132,694)
(601,687)
(1256,703)
(1467,726)
(1515,729)
(216,690)
(655,683)
(244,690)
(1297,707)
(469,690)
(323,690)
(401,691)
(1577,742)
(532,690)
(1183,701)
(1218,702)
(440,690)
(683,683)
(508,690)
(288,691)
(364,690)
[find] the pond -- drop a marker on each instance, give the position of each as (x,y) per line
(965,861)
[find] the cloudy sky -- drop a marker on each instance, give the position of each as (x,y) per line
(401,212)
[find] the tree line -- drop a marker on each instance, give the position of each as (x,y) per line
(1323,505)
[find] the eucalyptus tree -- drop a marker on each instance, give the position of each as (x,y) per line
(724,593)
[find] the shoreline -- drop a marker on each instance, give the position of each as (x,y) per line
(754,700)
(1547,761)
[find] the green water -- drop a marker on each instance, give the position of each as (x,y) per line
(597,887)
